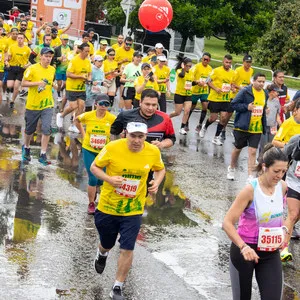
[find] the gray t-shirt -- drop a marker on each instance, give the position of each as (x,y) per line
(292,180)
(132,72)
(274,107)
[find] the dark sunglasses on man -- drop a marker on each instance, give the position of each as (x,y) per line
(103,103)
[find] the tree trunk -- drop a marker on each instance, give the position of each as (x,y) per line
(183,43)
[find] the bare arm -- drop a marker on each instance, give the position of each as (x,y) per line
(74,76)
(79,126)
(158,178)
(166,143)
(63,30)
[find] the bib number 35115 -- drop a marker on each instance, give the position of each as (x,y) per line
(269,239)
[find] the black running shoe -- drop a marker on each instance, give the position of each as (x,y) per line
(116,293)
(11,104)
(100,262)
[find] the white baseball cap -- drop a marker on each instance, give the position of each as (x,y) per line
(98,58)
(136,127)
(159,45)
(161,58)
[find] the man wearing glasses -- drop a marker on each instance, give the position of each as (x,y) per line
(27,34)
(200,89)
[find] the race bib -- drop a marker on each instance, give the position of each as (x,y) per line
(97,141)
(257,111)
(129,188)
(273,130)
(297,171)
(188,85)
(269,239)
(226,87)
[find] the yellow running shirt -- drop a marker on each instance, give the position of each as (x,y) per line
(11,42)
(134,167)
(287,130)
(221,79)
(162,74)
(102,53)
(109,66)
(97,130)
(255,125)
(241,78)
(78,66)
(44,99)
(3,50)
(184,85)
(19,55)
(55,42)
(121,54)
(201,73)
(149,85)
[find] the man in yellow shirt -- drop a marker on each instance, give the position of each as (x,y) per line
(79,72)
(86,39)
(46,28)
(128,163)
(249,123)
(220,83)
(12,39)
(55,39)
(5,25)
(39,105)
(119,42)
(23,28)
(18,58)
(3,54)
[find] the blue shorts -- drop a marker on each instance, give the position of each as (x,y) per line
(88,158)
(202,98)
(109,227)
(61,76)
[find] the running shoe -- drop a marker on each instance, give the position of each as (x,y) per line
(182,131)
(295,233)
(11,104)
(6,96)
(26,154)
(116,293)
(202,132)
(223,135)
(23,93)
(100,262)
(43,160)
(198,128)
(91,208)
(186,128)
(59,99)
(217,141)
(285,255)
(73,128)
(230,173)
(59,120)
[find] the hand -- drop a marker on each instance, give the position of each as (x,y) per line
(219,91)
(250,255)
(84,76)
(157,144)
(267,110)
(130,80)
(167,80)
(95,83)
(116,181)
(251,106)
(42,84)
(105,84)
(153,187)
(168,94)
(146,78)
(201,83)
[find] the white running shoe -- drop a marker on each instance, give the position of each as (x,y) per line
(202,132)
(59,120)
(73,128)
(230,173)
(182,131)
(59,99)
(217,141)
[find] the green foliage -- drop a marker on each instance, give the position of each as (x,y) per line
(92,9)
(115,13)
(279,48)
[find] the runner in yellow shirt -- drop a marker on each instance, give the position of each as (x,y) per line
(96,135)
(86,39)
(12,37)
(39,105)
(3,58)
(220,83)
(40,35)
(200,90)
(150,53)
(145,81)
(18,58)
(183,92)
(23,29)
(119,42)
(103,48)
(162,74)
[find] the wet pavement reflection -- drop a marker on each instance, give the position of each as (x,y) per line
(48,242)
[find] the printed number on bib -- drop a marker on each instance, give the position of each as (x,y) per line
(188,85)
(226,87)
(297,171)
(269,239)
(129,188)
(273,130)
(97,141)
(257,111)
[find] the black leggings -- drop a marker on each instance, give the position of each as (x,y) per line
(162,101)
(268,273)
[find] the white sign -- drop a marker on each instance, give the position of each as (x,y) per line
(62,16)
(53,3)
(128,3)
(75,4)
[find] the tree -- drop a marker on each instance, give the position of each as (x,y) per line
(279,48)
(92,9)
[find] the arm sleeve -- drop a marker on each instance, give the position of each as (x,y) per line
(118,125)
(170,132)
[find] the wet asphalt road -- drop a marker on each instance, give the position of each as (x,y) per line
(48,242)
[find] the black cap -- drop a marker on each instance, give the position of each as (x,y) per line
(151,49)
(137,53)
(247,58)
(145,65)
(102,97)
(274,87)
(46,50)
(54,30)
(27,13)
(54,23)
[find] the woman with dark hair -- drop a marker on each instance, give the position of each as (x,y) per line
(260,233)
(183,93)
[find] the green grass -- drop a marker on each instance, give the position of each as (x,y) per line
(216,48)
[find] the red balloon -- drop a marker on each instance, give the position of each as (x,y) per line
(155,15)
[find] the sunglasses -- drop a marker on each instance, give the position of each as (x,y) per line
(128,44)
(206,59)
(103,103)
(111,54)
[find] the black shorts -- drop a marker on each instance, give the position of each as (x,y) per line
(128,93)
(109,227)
(243,139)
(74,95)
(178,99)
(1,76)
(293,194)
(15,73)
(118,82)
(32,117)
(216,107)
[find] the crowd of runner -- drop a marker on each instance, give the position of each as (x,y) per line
(88,81)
